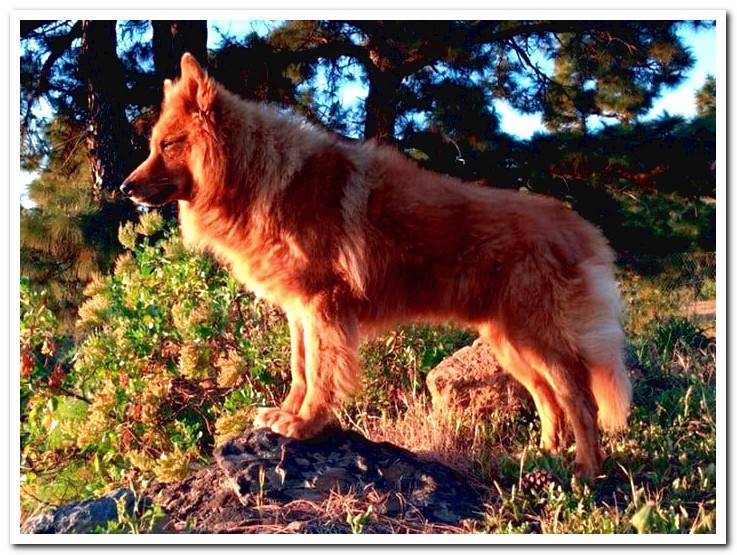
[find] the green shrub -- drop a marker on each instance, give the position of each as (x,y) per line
(171,357)
(173,349)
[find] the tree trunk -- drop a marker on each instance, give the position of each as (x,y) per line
(381,109)
(172,39)
(109,134)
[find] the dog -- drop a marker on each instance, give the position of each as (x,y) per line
(351,238)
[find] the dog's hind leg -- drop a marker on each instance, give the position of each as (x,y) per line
(331,372)
(569,378)
(293,401)
(552,418)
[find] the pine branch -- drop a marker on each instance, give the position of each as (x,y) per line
(29,28)
(57,47)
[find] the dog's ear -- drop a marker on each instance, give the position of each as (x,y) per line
(168,86)
(199,88)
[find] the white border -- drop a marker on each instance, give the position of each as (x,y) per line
(504,539)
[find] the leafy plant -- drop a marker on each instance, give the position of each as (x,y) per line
(171,356)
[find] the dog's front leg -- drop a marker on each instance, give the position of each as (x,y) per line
(293,402)
(296,395)
(331,372)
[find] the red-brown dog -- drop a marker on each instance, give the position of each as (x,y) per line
(351,238)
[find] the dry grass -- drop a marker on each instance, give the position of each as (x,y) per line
(458,438)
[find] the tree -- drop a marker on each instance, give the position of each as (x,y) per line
(706,97)
(171,39)
(109,132)
(610,69)
(64,237)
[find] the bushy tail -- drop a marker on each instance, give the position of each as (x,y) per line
(613,393)
(602,340)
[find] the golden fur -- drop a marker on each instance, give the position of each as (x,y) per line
(349,239)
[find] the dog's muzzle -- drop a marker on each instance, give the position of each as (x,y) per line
(127,188)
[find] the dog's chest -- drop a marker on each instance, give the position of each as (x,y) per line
(268,265)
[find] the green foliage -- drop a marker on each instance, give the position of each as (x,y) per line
(395,365)
(171,357)
(614,72)
(54,252)
(358,521)
(150,519)
(676,333)
(170,340)
(706,97)
(66,236)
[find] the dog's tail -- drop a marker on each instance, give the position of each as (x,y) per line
(613,393)
(602,340)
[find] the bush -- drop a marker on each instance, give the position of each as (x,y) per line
(172,355)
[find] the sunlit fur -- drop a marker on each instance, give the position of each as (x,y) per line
(351,238)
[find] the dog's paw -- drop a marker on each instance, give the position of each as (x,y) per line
(587,470)
(266,416)
(290,425)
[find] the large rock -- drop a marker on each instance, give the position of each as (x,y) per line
(472,380)
(262,469)
(262,482)
(264,464)
(82,517)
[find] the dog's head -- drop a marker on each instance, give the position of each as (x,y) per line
(176,139)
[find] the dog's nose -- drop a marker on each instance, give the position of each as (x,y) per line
(126,188)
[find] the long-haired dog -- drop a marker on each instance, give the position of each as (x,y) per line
(351,238)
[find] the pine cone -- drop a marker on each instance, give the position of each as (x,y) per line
(537,481)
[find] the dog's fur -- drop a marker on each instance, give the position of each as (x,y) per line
(351,238)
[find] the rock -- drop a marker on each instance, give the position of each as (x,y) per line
(202,503)
(260,470)
(472,379)
(264,482)
(82,517)
(264,464)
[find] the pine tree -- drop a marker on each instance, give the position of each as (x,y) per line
(706,97)
(63,240)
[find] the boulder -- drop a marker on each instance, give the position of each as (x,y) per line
(263,469)
(81,517)
(471,379)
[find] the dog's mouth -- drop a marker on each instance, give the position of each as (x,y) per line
(162,195)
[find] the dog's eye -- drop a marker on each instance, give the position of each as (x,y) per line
(168,144)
